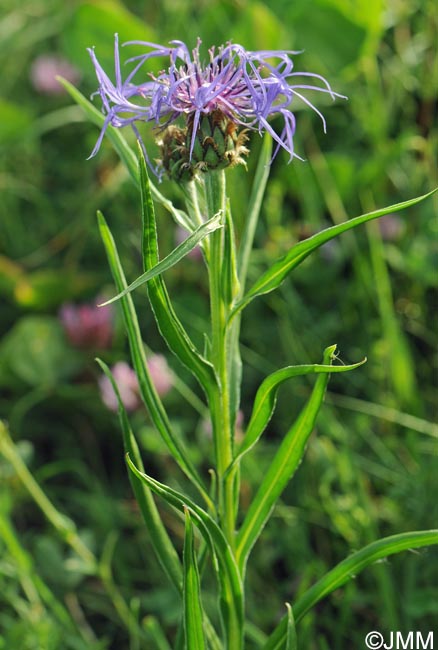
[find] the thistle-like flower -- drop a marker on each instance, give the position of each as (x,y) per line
(235,89)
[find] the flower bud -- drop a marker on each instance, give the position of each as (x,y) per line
(216,143)
(175,155)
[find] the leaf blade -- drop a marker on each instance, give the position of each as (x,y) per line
(173,258)
(228,576)
(161,542)
(147,388)
(344,571)
(282,467)
(192,607)
(274,276)
(291,634)
(265,399)
(168,322)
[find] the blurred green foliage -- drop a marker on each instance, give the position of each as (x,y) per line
(370,470)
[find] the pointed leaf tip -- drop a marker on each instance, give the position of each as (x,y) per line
(173,258)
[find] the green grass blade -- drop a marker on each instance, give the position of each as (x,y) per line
(147,388)
(161,542)
(282,468)
(154,632)
(214,642)
(223,559)
(35,589)
(266,397)
(345,571)
(385,413)
(400,362)
(255,202)
(173,258)
(193,616)
(275,275)
(168,323)
(63,525)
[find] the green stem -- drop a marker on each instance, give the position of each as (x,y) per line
(222,352)
(194,210)
(221,412)
(192,201)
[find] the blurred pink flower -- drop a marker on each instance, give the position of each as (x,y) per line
(160,373)
(87,325)
(127,383)
(391,227)
(46,68)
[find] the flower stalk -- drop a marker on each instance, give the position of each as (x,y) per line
(221,411)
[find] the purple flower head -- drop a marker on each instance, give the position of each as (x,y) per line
(247,88)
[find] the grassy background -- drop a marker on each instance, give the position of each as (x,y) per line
(370,469)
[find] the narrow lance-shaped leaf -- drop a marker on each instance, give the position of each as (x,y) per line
(345,571)
(168,323)
(192,608)
(173,258)
(291,635)
(282,468)
(275,275)
(122,148)
(223,559)
(147,388)
(161,542)
(266,397)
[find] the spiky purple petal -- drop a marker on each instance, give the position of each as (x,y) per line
(247,87)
